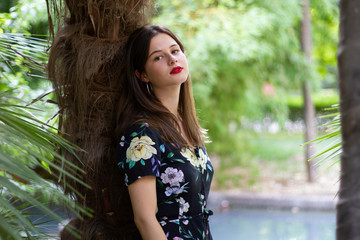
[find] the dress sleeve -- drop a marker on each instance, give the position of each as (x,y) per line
(138,154)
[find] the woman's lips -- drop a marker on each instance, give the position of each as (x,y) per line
(176,70)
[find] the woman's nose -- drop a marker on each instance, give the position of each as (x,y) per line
(172,60)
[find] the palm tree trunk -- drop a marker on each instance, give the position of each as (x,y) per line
(309,109)
(348,207)
(86,65)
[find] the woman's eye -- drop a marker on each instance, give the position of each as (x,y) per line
(175,51)
(157,58)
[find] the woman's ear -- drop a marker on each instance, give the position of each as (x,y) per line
(137,74)
(141,76)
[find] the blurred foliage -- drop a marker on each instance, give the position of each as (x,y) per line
(6,5)
(325,30)
(323,99)
(245,57)
(25,16)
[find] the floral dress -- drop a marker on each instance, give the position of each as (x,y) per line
(183,180)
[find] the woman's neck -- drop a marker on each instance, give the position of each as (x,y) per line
(170,100)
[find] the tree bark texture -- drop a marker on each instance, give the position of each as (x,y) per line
(348,207)
(309,109)
(86,67)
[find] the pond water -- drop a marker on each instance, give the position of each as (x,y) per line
(247,224)
(252,224)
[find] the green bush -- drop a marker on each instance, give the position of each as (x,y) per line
(322,99)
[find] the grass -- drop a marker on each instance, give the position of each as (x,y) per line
(275,147)
(254,153)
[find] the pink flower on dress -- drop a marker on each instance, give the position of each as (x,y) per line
(177,238)
(172,176)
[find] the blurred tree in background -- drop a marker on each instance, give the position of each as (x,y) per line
(246,60)
(309,108)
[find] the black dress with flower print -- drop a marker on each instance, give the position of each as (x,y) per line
(183,180)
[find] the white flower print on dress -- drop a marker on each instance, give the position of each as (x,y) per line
(172,176)
(183,206)
(190,156)
(140,149)
(203,158)
(126,179)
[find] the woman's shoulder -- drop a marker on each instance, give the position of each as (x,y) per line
(139,152)
(141,129)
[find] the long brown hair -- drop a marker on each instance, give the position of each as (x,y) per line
(138,104)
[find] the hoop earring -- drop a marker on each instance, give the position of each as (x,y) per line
(148,87)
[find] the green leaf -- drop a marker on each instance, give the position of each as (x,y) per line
(7,231)
(160,183)
(131,164)
(178,160)
(133,134)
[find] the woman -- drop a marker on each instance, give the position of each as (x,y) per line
(161,151)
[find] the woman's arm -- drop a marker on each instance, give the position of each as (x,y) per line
(144,203)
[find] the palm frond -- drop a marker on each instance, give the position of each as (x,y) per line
(331,138)
(29,144)
(25,139)
(16,45)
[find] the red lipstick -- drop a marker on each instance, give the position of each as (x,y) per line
(176,70)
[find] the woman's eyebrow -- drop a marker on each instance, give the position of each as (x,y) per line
(156,51)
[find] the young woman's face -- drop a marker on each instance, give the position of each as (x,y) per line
(166,66)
